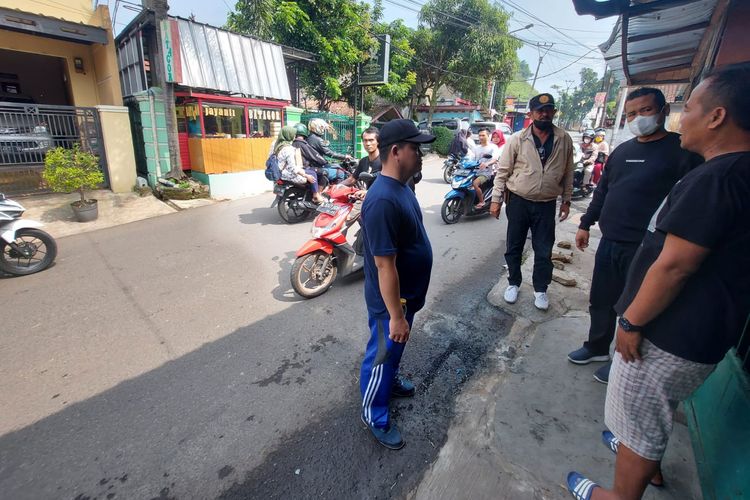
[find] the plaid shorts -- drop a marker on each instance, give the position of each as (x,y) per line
(643,396)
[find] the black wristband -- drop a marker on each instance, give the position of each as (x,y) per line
(628,326)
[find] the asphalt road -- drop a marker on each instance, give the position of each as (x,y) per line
(169,358)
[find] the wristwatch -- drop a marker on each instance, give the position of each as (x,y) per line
(628,326)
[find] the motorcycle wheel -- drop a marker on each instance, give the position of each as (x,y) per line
(290,206)
(451,210)
(448,173)
(313,274)
(43,252)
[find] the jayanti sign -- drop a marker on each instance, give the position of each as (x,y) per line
(375,70)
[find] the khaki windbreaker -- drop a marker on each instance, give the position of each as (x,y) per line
(521,171)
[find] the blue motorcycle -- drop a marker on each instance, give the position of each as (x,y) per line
(461,199)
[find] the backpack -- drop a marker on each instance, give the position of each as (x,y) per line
(273,173)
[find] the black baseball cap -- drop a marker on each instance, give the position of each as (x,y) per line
(540,101)
(402,130)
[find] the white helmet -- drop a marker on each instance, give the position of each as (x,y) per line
(318,126)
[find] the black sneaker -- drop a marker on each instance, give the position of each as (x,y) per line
(389,437)
(583,356)
(402,388)
(602,374)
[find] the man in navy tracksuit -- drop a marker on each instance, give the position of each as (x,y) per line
(398,262)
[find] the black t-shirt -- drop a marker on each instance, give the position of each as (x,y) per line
(710,207)
(544,150)
(365,165)
(637,178)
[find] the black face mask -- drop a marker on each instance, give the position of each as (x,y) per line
(543,124)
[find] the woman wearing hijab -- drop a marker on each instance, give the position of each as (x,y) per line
(290,162)
(498,139)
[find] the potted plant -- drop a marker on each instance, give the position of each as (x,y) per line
(68,170)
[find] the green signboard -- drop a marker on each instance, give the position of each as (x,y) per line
(375,70)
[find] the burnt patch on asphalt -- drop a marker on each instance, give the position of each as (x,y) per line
(337,457)
(289,364)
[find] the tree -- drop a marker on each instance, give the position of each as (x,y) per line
(575,104)
(524,72)
(401,77)
(337,31)
(520,86)
(253,17)
(463,44)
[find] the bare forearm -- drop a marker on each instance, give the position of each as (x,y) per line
(660,287)
(390,289)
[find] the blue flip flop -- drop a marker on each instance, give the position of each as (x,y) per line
(611,442)
(580,487)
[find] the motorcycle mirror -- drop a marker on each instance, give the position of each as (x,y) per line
(366,177)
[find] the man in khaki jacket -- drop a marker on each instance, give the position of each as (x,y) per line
(535,168)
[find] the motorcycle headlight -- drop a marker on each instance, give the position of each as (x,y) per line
(455,184)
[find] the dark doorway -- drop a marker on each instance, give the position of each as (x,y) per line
(33,78)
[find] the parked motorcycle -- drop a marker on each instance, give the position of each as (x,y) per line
(461,199)
(24,248)
(328,254)
(294,202)
(449,166)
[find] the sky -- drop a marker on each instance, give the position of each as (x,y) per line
(576,37)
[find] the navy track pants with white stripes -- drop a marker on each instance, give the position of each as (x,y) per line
(379,370)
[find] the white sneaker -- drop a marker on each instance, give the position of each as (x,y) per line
(541,301)
(511,294)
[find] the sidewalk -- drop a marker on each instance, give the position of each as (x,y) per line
(53,210)
(536,416)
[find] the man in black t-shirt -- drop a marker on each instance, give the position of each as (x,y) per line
(371,162)
(639,174)
(687,294)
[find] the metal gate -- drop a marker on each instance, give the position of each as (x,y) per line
(28,131)
(342,139)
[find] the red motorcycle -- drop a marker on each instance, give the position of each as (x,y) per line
(328,254)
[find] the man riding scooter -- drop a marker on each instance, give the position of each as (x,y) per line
(486,172)
(317,128)
(310,157)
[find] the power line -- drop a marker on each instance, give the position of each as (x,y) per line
(521,9)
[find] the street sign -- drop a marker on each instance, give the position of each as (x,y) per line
(599,99)
(171,50)
(375,70)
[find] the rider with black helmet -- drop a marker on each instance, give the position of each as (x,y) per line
(310,157)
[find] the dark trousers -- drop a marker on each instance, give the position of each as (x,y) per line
(540,218)
(611,266)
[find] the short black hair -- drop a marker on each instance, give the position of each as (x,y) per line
(484,129)
(661,101)
(728,87)
(372,131)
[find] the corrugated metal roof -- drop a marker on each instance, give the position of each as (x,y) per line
(658,41)
(217,59)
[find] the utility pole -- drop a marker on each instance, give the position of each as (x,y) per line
(539,47)
(159,9)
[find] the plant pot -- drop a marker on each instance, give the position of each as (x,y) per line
(85,211)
